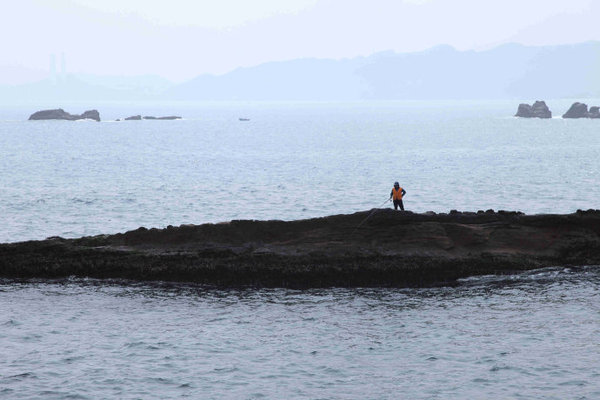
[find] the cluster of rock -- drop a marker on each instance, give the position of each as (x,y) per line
(59,113)
(139,118)
(539,109)
(580,110)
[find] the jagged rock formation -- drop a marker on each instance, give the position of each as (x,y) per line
(580,110)
(62,114)
(377,248)
(539,109)
(577,110)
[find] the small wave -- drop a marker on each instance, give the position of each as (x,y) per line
(225,369)
(535,275)
(71,360)
(164,381)
(573,383)
(75,396)
(135,344)
(82,201)
(497,368)
(19,377)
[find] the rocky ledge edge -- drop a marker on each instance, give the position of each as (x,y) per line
(389,249)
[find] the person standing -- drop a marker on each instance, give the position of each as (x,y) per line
(397,194)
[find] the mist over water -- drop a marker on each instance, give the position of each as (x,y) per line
(290,161)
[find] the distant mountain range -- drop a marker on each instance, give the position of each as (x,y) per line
(507,71)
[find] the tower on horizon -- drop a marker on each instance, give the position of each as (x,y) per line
(63,67)
(53,67)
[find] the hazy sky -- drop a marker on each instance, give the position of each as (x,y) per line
(180,39)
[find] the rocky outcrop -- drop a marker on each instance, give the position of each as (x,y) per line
(149,117)
(580,110)
(370,248)
(577,110)
(59,113)
(170,117)
(539,109)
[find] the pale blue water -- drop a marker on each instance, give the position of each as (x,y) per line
(290,161)
(527,336)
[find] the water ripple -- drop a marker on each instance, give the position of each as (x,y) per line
(527,335)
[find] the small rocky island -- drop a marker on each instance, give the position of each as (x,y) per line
(381,247)
(580,110)
(59,113)
(149,117)
(539,109)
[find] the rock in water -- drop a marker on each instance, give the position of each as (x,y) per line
(59,113)
(594,112)
(524,111)
(90,114)
(539,109)
(50,114)
(151,117)
(577,110)
(170,117)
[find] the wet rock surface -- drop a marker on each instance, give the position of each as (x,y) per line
(388,249)
(539,109)
(59,113)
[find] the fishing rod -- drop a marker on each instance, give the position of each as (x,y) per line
(370,215)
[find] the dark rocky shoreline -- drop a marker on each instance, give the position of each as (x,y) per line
(395,249)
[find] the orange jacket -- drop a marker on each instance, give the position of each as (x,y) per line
(397,194)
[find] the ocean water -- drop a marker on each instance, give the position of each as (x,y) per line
(527,336)
(290,161)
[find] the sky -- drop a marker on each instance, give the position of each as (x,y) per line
(181,39)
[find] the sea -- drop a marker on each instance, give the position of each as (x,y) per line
(525,336)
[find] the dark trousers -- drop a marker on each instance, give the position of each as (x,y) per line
(398,203)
